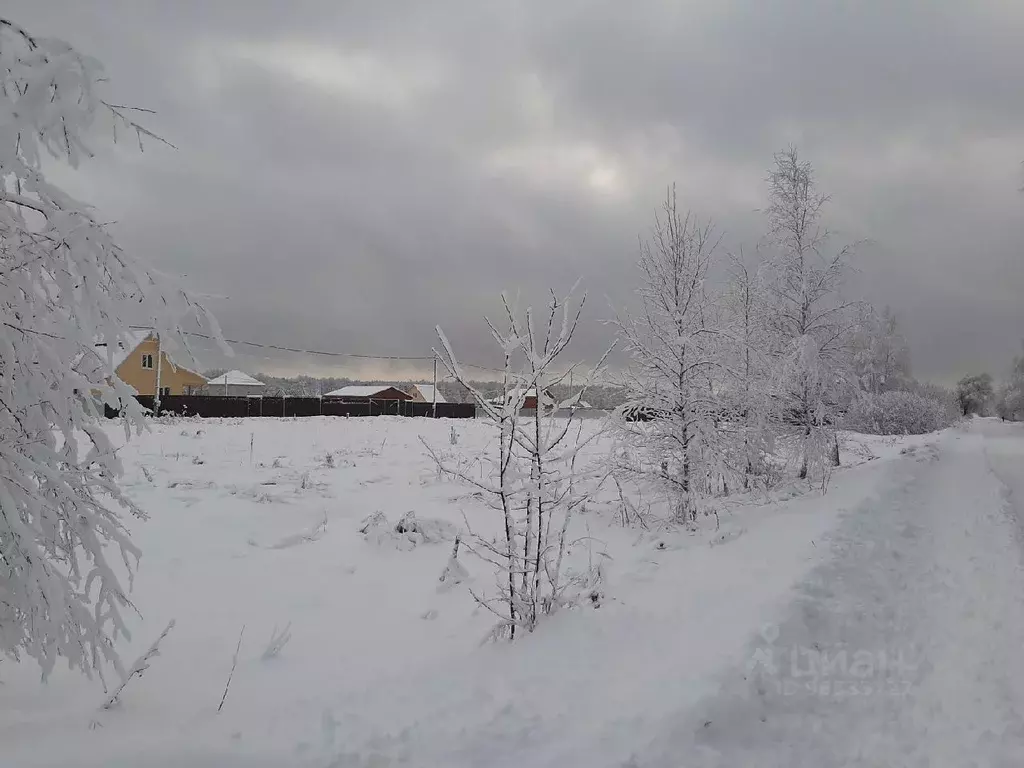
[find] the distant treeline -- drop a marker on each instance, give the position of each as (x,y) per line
(599,396)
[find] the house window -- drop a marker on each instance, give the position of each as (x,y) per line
(147,362)
(165,391)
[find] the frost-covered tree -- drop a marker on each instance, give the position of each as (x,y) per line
(975,394)
(1010,400)
(897,412)
(676,359)
(746,394)
(534,481)
(881,355)
(64,285)
(809,320)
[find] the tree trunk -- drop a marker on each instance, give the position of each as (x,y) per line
(807,441)
(834,453)
(685,480)
(750,465)
(541,540)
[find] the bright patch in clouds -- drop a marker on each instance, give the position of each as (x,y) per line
(390,81)
(561,163)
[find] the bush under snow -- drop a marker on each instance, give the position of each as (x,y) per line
(897,413)
(408,532)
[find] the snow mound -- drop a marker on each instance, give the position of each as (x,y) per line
(454,573)
(303,537)
(409,532)
(726,536)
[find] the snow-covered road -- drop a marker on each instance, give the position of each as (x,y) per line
(905,647)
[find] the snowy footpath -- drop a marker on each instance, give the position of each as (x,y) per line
(904,648)
(879,625)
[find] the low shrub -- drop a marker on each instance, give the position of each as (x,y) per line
(897,413)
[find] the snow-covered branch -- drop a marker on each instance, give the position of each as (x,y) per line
(64,285)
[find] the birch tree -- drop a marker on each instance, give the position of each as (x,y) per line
(808,317)
(675,360)
(535,483)
(64,284)
(746,394)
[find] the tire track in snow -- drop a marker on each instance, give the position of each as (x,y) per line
(902,650)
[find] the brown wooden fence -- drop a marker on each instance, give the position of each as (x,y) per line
(212,406)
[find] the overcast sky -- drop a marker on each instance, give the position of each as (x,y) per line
(349,174)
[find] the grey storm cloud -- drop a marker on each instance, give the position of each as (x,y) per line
(348,175)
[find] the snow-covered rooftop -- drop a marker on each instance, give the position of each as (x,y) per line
(578,401)
(236,378)
(427,390)
(531,392)
(358,390)
(515,394)
(132,340)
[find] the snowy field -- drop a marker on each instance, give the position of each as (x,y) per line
(680,657)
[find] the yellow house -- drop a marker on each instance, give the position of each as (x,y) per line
(140,363)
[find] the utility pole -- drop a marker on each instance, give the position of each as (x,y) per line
(434,389)
(159,360)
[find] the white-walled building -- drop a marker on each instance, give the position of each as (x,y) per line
(235,384)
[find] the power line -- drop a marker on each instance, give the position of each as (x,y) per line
(480,367)
(322,353)
(291,349)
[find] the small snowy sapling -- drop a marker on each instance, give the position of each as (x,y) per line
(532,482)
(278,640)
(138,668)
(231,674)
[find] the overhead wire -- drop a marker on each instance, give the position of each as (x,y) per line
(324,353)
(282,348)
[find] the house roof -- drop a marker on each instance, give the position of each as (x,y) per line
(358,390)
(237,378)
(515,394)
(132,340)
(531,392)
(428,392)
(578,400)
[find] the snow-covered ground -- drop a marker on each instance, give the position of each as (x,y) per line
(876,625)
